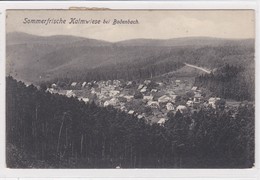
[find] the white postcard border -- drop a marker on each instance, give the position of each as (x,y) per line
(127,173)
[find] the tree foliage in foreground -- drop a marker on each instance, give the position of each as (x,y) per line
(53,131)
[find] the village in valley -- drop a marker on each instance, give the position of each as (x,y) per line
(150,100)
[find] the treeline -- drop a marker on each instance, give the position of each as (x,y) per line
(132,71)
(143,69)
(229,82)
(53,131)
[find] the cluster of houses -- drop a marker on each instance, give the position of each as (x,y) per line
(143,100)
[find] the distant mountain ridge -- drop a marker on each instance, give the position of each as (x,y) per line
(21,38)
(31,57)
(24,38)
(185,41)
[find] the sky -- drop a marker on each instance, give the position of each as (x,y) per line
(152,24)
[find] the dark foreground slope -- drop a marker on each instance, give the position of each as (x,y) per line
(52,131)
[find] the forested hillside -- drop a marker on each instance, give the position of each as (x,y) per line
(230,82)
(53,131)
(35,58)
(137,70)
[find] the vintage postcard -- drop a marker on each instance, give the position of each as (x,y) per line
(164,89)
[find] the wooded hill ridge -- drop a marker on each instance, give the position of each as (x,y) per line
(36,58)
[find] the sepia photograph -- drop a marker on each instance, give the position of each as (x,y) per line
(127,89)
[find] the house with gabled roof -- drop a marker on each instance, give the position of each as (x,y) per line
(197,98)
(148,98)
(161,121)
(212,101)
(153,104)
(144,89)
(182,109)
(146,82)
(70,93)
(165,99)
(177,81)
(194,88)
(83,84)
(140,86)
(169,106)
(73,84)
(131,112)
(189,103)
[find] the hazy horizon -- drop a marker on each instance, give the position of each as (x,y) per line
(186,37)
